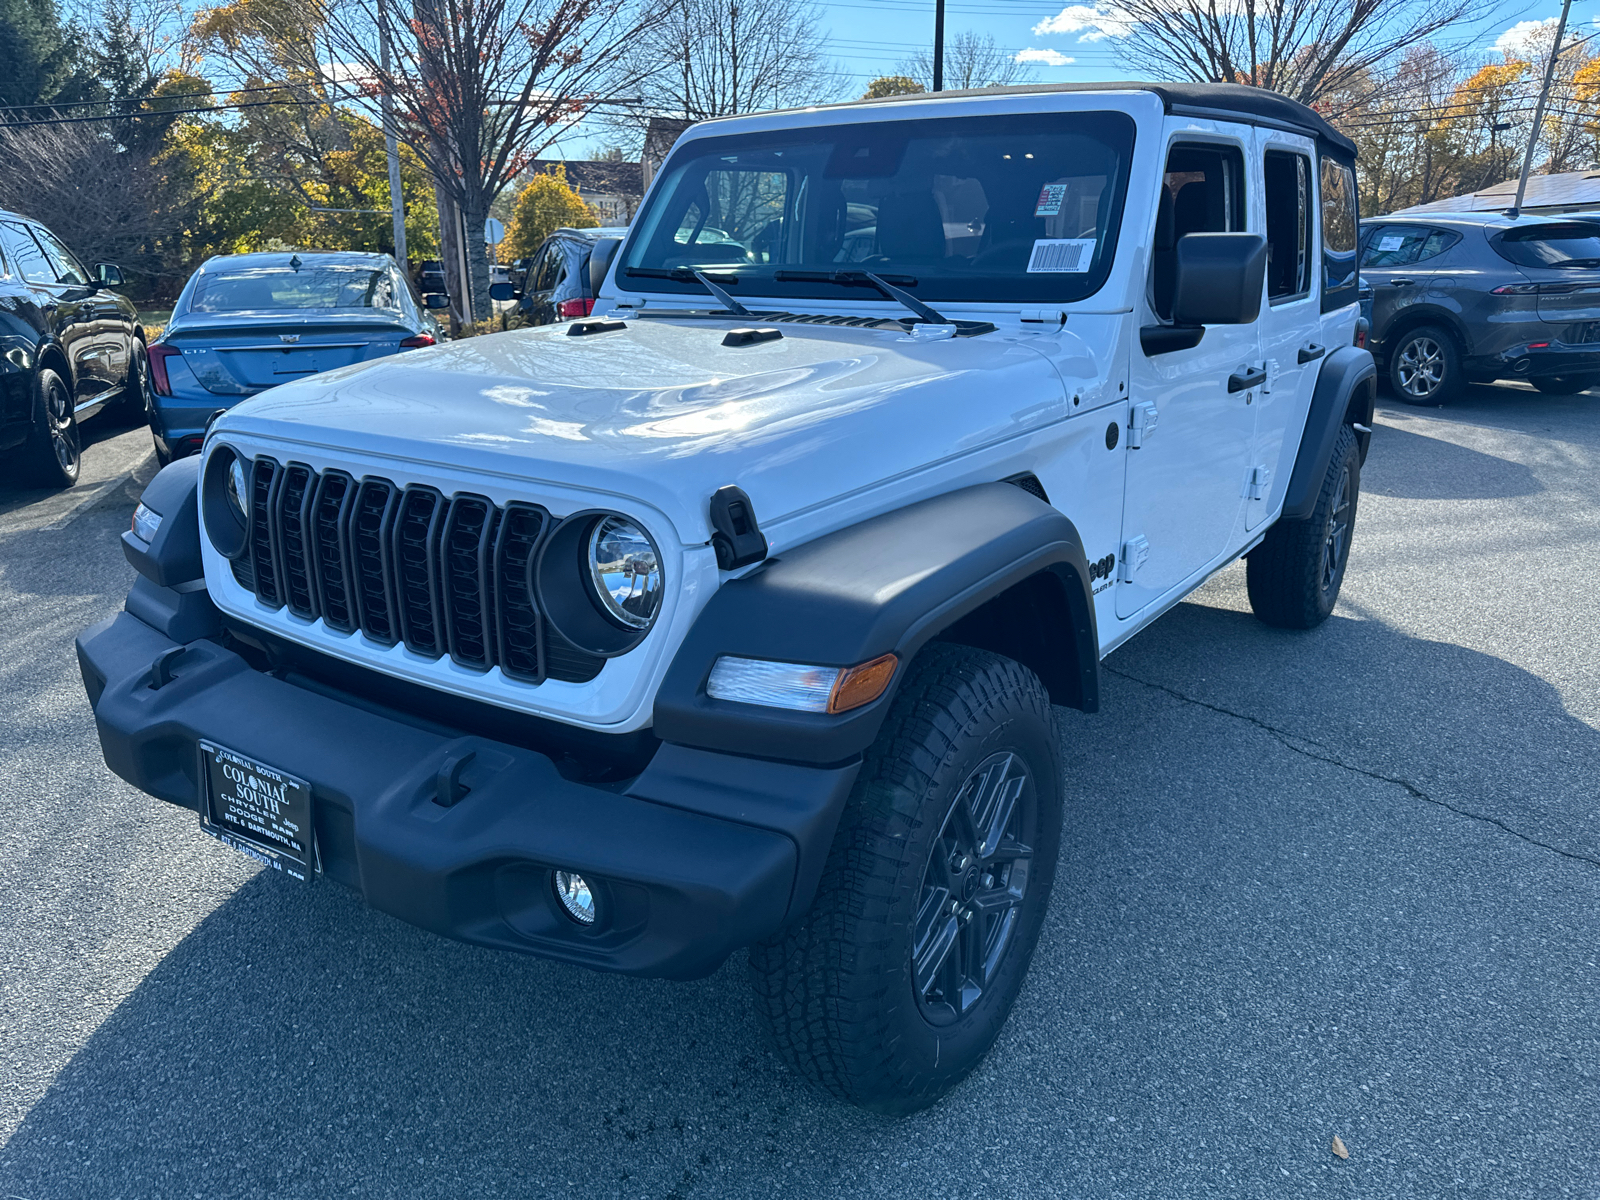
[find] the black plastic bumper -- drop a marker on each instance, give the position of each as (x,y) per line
(700,854)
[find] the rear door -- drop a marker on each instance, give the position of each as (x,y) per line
(1184,495)
(1291,319)
(1394,266)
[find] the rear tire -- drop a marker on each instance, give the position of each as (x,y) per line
(52,457)
(1294,575)
(133,406)
(1564,385)
(883,994)
(1425,366)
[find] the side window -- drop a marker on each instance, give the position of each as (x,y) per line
(1395,246)
(1439,240)
(68,269)
(1339,216)
(544,267)
(1288,196)
(1202,191)
(31,263)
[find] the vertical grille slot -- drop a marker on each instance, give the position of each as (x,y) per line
(293,514)
(330,536)
(370,519)
(468,552)
(416,568)
(519,648)
(265,478)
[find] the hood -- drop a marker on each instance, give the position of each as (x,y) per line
(663,412)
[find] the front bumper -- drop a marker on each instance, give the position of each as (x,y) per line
(700,854)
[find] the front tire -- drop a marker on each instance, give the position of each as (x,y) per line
(1294,575)
(897,982)
(1425,366)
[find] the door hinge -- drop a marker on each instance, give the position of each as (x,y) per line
(1135,552)
(1257,482)
(1141,421)
(1272,376)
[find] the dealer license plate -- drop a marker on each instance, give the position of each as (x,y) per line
(259,811)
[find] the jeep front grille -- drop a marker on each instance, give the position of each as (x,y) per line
(444,575)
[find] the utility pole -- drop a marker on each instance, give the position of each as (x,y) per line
(1538,111)
(938,45)
(397,202)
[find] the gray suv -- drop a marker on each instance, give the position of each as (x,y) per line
(1478,297)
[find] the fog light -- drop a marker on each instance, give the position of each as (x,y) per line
(573,892)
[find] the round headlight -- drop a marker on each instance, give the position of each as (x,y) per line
(237,489)
(625,569)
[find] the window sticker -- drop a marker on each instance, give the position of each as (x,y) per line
(1071,255)
(1050,200)
(1391,243)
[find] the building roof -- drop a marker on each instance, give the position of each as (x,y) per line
(1219,101)
(1570,191)
(597,178)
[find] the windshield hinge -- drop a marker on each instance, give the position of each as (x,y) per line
(1053,318)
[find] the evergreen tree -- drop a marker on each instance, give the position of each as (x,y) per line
(40,61)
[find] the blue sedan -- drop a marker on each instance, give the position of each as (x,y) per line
(248,322)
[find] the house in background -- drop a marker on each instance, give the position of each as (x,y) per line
(1547,195)
(612,189)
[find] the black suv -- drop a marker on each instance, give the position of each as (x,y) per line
(557,284)
(1479,296)
(72,348)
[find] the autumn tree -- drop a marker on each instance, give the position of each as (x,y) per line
(545,205)
(892,85)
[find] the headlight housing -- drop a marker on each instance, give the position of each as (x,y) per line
(601,582)
(225,501)
(625,572)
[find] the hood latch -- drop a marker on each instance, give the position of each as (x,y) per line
(738,540)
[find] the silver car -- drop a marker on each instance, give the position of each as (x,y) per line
(1475,297)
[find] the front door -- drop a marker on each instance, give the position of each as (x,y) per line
(1189,438)
(1290,321)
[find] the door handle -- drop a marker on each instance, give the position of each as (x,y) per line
(1311,353)
(1250,378)
(1401,282)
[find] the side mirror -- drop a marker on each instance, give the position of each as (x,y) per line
(109,274)
(600,262)
(504,291)
(1220,278)
(438,299)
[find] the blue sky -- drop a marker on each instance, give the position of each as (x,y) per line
(868,38)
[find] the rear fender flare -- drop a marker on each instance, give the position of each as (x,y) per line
(988,565)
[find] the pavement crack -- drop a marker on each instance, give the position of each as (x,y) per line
(1323,754)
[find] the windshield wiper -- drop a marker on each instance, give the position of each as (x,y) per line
(684,274)
(853,278)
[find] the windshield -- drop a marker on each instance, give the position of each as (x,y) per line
(1569,244)
(323,286)
(1001,208)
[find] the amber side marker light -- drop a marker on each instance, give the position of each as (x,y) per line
(800,686)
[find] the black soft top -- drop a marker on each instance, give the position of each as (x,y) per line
(1220,101)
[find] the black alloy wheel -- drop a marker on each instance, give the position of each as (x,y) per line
(137,400)
(1336,545)
(973,888)
(53,455)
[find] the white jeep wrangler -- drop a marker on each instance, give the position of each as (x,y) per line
(733,615)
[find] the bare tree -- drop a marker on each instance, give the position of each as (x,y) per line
(1306,49)
(970,61)
(715,58)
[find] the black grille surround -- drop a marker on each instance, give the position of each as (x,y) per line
(445,575)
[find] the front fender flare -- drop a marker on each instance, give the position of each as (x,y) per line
(1343,374)
(887,585)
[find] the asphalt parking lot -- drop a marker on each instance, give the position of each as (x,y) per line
(1338,883)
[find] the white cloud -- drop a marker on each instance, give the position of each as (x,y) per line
(1091,22)
(1050,58)
(1527,37)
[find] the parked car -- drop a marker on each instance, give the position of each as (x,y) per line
(72,347)
(1476,297)
(715,620)
(555,285)
(428,275)
(248,322)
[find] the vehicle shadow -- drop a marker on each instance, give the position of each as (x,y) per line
(1244,935)
(1414,466)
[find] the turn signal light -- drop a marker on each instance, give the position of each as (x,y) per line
(158,355)
(574,308)
(416,343)
(862,685)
